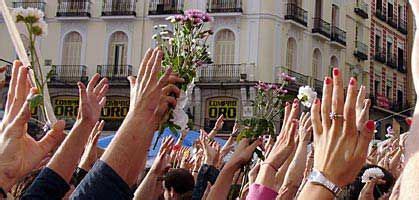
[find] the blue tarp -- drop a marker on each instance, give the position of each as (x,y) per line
(190,138)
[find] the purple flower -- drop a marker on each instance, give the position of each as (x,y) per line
(280,90)
(206,18)
(262,86)
(287,77)
(199,63)
(196,21)
(179,18)
(194,13)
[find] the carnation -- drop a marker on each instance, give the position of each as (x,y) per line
(286,77)
(371,174)
(306,95)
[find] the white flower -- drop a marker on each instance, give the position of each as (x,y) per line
(163,26)
(170,18)
(180,118)
(372,173)
(306,95)
(156,27)
(171,40)
(35,12)
(43,26)
(155,36)
(163,33)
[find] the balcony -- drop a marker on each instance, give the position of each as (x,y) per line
(392,21)
(164,7)
(321,27)
(30,4)
(118,9)
(361,51)
(338,36)
(380,56)
(391,60)
(69,9)
(296,14)
(115,73)
(68,74)
(379,13)
(361,9)
(224,6)
(401,65)
(402,26)
(219,73)
(301,79)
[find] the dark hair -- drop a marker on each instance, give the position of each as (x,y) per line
(23,184)
(181,180)
(354,189)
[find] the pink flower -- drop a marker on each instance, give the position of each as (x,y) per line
(206,18)
(194,13)
(287,77)
(262,86)
(179,18)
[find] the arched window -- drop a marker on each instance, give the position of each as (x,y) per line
(224,47)
(317,64)
(291,59)
(71,54)
(118,45)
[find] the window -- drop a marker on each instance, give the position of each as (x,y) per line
(118,46)
(389,48)
(71,54)
(224,47)
(400,97)
(377,86)
(378,43)
(291,58)
(335,15)
(379,5)
(317,64)
(318,9)
(390,10)
(296,2)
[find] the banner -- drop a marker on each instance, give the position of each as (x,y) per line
(66,107)
(222,105)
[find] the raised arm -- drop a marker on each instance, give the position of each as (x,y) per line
(217,127)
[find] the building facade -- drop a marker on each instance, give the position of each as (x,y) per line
(254,40)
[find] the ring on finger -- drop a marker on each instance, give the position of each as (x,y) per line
(334,116)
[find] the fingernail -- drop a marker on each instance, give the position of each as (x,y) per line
(370,125)
(328,80)
(336,71)
(295,100)
(287,104)
(317,101)
(352,81)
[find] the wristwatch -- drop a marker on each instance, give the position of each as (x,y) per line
(317,178)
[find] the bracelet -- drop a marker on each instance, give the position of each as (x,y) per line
(270,165)
(3,193)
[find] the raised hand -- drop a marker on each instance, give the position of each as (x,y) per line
(90,156)
(19,152)
(219,123)
(161,163)
(341,135)
(92,99)
(211,151)
(305,129)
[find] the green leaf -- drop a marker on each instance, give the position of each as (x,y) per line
(35,101)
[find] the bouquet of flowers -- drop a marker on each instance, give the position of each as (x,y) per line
(185,49)
(267,108)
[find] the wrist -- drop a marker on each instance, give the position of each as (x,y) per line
(6,184)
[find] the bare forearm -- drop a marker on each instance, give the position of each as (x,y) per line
(280,176)
(295,171)
(68,155)
(212,134)
(147,187)
(311,191)
(222,186)
(132,141)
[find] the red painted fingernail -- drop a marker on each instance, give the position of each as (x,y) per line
(352,81)
(370,125)
(336,71)
(287,103)
(317,101)
(328,80)
(295,100)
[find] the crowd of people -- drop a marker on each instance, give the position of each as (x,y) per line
(326,153)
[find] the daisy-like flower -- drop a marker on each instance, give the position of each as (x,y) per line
(286,77)
(163,26)
(306,95)
(180,118)
(40,28)
(371,174)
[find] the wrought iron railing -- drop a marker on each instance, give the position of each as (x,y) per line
(361,50)
(217,6)
(164,7)
(300,79)
(30,4)
(322,27)
(402,26)
(73,8)
(392,21)
(338,35)
(118,8)
(115,73)
(68,73)
(361,9)
(297,14)
(226,73)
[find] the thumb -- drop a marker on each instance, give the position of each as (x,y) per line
(53,138)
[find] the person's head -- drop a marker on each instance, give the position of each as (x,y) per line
(178,184)
(379,189)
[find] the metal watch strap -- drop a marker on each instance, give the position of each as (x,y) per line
(316,177)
